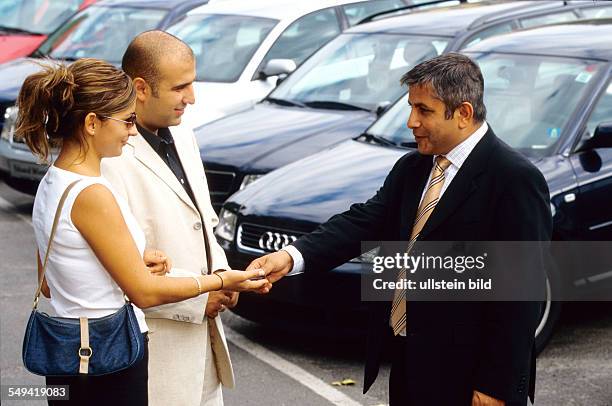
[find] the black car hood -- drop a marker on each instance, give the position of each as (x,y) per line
(315,188)
(267,136)
(12,75)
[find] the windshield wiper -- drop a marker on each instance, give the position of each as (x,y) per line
(377,139)
(16,30)
(334,105)
(284,102)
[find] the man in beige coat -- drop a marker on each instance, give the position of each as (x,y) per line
(160,174)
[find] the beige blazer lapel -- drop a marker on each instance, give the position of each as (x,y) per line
(183,140)
(149,158)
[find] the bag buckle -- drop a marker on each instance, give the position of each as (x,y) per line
(88,352)
(85,350)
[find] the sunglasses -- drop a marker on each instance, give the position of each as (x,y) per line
(129,123)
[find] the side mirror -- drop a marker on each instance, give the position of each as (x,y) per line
(602,138)
(277,67)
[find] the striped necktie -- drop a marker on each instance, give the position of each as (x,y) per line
(431,198)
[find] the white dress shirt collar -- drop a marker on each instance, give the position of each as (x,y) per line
(459,154)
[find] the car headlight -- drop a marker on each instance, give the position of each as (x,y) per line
(248,179)
(367,257)
(226,228)
(10,119)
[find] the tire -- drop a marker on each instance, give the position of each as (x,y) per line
(550,313)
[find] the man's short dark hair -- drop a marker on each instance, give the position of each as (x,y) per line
(455,79)
(143,55)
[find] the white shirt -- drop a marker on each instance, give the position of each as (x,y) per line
(80,286)
(456,156)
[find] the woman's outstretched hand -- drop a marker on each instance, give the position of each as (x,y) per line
(245,281)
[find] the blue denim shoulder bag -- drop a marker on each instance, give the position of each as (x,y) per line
(58,346)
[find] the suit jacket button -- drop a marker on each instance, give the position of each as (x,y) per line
(197,226)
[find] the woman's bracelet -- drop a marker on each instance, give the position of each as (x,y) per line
(214,273)
(199,284)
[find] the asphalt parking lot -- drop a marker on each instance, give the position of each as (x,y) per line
(276,367)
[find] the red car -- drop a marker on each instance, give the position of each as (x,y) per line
(25,24)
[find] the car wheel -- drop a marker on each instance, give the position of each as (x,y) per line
(549,315)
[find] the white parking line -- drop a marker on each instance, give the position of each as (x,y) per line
(8,206)
(315,384)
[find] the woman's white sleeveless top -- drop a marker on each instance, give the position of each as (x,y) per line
(79,284)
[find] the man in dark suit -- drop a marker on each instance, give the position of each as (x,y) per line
(463,184)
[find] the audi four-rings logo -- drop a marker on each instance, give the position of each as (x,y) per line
(275,241)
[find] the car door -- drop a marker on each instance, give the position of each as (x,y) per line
(594,173)
(304,36)
(297,42)
(593,214)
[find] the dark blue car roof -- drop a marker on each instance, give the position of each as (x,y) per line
(449,21)
(589,39)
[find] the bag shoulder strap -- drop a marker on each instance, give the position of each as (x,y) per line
(58,211)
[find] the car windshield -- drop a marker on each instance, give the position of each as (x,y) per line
(361,70)
(529,100)
(100,32)
(36,16)
(223,44)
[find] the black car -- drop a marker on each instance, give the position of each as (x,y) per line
(549,95)
(340,90)
(102,30)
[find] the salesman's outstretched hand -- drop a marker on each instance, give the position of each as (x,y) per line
(275,265)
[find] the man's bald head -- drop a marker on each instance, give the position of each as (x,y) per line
(148,50)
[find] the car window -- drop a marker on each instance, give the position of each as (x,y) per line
(90,33)
(40,16)
(597,12)
(530,98)
(393,124)
(602,112)
(359,69)
(358,11)
(223,44)
(548,19)
(489,32)
(304,36)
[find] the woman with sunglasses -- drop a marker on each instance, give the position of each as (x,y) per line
(87,110)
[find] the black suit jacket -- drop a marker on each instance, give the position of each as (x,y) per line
(453,347)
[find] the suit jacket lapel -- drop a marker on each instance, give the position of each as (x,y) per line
(149,158)
(415,181)
(184,148)
(463,184)
(195,176)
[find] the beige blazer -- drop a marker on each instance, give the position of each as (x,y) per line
(179,335)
